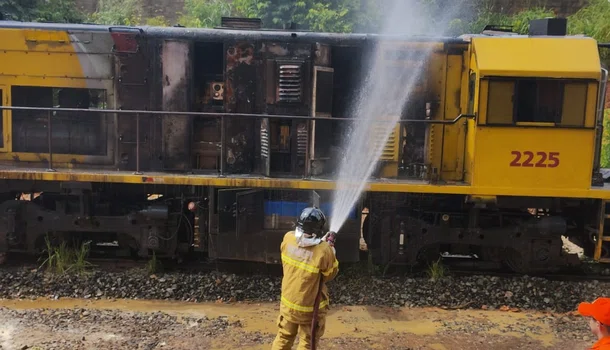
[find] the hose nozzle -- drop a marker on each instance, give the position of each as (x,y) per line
(330,238)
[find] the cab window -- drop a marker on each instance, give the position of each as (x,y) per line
(554,101)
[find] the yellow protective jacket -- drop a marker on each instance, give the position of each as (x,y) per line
(303,267)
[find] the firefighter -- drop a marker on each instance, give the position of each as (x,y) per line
(598,313)
(307,257)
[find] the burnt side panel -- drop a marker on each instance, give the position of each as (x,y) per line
(242,68)
(133,74)
(176,68)
(286,86)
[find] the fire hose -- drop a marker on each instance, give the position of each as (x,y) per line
(330,238)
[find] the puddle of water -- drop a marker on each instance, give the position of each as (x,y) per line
(353,321)
(438,347)
(507,320)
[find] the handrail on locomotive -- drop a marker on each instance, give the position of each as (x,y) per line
(138,113)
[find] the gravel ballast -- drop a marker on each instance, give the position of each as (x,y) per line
(484,292)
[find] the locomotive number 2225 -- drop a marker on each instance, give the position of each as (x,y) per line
(529,159)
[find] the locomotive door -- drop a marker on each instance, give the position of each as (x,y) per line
(240,226)
(226,208)
(250,213)
(265,164)
(5,120)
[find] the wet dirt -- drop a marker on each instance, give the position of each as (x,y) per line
(143,324)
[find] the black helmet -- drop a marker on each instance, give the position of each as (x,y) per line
(312,221)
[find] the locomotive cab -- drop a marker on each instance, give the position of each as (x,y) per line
(536,103)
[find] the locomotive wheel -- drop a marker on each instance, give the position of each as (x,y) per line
(516,261)
(493,254)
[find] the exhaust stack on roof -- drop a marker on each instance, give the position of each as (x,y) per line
(549,26)
(240,23)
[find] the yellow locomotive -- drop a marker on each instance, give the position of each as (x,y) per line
(179,140)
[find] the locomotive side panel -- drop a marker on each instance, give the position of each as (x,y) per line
(208,95)
(134,58)
(176,75)
(54,68)
(453,150)
(242,67)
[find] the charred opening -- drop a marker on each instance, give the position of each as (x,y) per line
(72,133)
(209,91)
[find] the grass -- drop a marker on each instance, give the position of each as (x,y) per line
(154,265)
(605,156)
(63,258)
(372,268)
(437,270)
(592,20)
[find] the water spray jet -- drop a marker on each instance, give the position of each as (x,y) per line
(392,81)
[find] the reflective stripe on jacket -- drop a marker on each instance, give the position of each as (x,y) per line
(303,267)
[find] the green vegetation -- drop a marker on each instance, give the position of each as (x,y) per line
(326,16)
(487,15)
(205,13)
(154,265)
(118,12)
(605,156)
(61,259)
(594,21)
(316,15)
(437,270)
(23,10)
(58,11)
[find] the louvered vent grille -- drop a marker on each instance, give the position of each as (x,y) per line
(302,140)
(264,142)
(390,149)
(290,83)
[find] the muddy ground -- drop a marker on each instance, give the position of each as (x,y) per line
(135,324)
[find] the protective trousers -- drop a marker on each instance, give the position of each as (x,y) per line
(288,331)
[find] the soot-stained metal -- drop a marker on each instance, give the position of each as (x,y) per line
(240,92)
(133,87)
(175,60)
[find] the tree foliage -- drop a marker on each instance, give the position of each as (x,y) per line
(58,11)
(157,21)
(118,12)
(324,16)
(205,13)
(20,10)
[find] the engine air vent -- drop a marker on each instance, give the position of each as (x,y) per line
(290,86)
(302,139)
(240,23)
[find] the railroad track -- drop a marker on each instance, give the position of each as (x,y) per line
(195,265)
(586,273)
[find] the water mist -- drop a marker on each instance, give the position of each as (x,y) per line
(381,100)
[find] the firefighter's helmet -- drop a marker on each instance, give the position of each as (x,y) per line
(312,221)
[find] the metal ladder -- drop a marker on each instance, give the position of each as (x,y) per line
(601,237)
